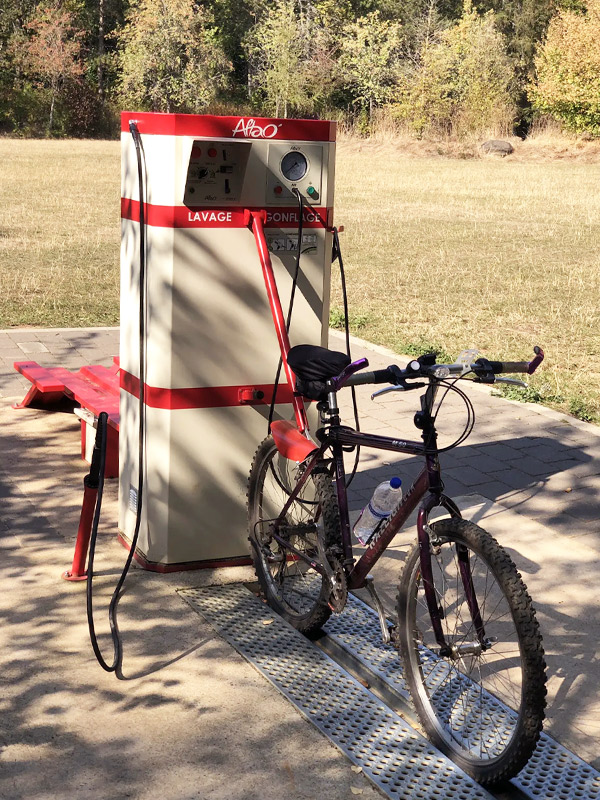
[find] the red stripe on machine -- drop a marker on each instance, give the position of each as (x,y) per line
(205,397)
(183,217)
(301,130)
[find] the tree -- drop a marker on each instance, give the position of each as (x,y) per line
(291,59)
(52,53)
(274,46)
(524,24)
(369,60)
(170,58)
(464,83)
(568,70)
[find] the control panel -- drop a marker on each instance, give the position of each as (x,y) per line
(216,172)
(226,172)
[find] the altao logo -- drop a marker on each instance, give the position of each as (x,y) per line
(251,130)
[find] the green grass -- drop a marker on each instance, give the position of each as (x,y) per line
(440,253)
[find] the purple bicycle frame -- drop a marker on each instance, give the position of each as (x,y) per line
(426,490)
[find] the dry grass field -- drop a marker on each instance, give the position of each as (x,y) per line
(59,233)
(439,251)
(495,254)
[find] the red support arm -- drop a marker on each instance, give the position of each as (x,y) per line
(256,220)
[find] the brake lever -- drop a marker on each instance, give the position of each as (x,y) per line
(400,387)
(514,381)
(387,389)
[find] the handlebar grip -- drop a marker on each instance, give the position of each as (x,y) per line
(375,376)
(515,366)
(509,366)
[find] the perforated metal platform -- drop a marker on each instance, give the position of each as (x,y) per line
(552,772)
(392,755)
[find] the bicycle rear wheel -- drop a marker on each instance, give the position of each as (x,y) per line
(483,705)
(291,586)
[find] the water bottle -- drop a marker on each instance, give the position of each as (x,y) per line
(385,498)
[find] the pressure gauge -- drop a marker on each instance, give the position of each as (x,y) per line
(294,166)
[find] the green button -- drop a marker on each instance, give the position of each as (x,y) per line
(311,191)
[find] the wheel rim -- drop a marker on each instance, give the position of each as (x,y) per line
(293,583)
(474,698)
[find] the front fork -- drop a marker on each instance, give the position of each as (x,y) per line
(427,548)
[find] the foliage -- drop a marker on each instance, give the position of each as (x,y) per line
(421,347)
(170,57)
(66,66)
(568,70)
(290,56)
(369,60)
(356,320)
(523,23)
(463,83)
(51,54)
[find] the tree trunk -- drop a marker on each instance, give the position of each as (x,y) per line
(101,10)
(51,120)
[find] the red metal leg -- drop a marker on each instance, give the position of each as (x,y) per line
(78,571)
(34,395)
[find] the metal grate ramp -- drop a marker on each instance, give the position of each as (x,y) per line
(392,755)
(552,773)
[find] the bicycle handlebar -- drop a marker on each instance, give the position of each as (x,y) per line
(374,376)
(483,369)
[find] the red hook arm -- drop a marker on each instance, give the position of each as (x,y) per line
(257,219)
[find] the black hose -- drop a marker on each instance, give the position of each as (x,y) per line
(337,250)
(102,423)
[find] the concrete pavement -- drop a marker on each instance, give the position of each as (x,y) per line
(189,718)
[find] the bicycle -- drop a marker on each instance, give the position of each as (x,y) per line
(466,628)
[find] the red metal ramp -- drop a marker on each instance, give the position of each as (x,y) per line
(95,388)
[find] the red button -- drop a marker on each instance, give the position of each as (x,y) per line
(196,151)
(278,190)
(212,152)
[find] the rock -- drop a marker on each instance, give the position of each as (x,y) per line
(496,147)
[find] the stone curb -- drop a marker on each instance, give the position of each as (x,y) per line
(56,330)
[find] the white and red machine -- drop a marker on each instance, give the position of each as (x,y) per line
(221,225)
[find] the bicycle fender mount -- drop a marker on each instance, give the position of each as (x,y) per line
(290,442)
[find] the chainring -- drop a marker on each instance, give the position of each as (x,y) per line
(339,586)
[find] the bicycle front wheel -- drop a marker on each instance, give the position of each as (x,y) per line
(483,704)
(292,587)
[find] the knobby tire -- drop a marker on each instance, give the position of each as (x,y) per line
(291,587)
(483,709)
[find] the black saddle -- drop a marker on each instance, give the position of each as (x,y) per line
(313,366)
